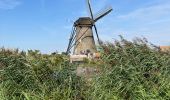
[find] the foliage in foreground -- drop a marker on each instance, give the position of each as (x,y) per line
(37,77)
(129,71)
(134,71)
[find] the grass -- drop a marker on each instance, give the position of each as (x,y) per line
(129,70)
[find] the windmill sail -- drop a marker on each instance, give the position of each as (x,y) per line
(92,17)
(89,9)
(103,13)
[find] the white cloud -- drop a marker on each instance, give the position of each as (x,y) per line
(148,13)
(9,4)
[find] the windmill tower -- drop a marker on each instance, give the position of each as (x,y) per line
(82,37)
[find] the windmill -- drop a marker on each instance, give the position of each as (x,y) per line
(82,37)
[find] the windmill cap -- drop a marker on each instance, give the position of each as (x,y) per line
(84,21)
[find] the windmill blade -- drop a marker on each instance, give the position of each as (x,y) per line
(90,9)
(70,40)
(103,13)
(97,34)
(91,13)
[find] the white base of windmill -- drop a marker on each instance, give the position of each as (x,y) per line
(77,58)
(80,58)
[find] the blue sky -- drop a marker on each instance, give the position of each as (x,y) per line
(46,24)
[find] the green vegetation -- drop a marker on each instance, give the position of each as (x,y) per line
(127,71)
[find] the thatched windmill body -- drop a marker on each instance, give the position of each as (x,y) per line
(82,37)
